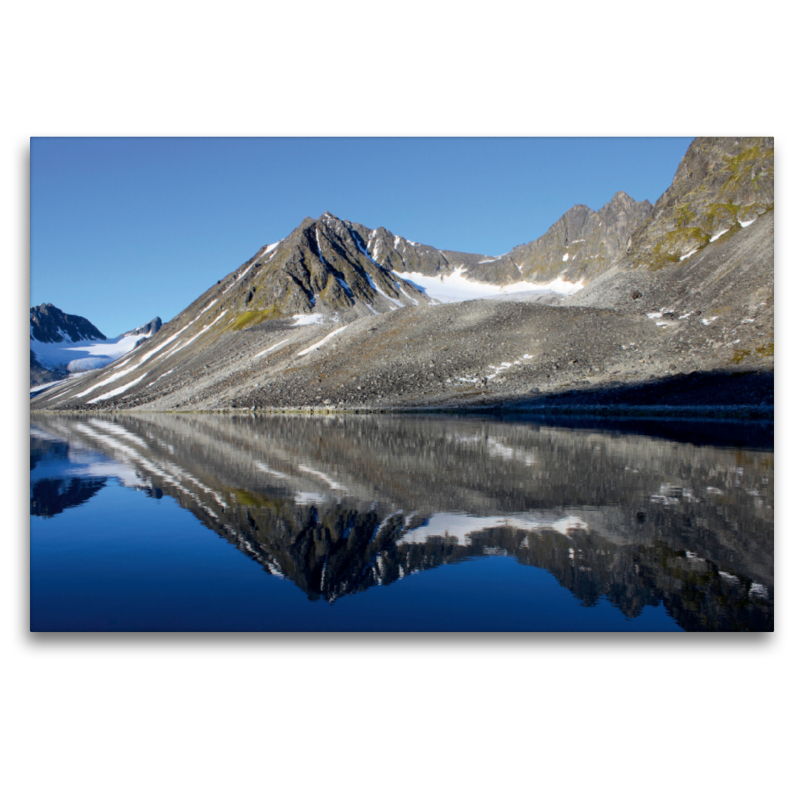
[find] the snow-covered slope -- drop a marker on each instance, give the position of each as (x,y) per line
(83,355)
(66,344)
(455,287)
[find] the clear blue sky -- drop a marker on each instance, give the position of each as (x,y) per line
(123,230)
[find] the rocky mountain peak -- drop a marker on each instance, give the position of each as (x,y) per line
(143,330)
(322,266)
(621,216)
(51,324)
(623,203)
(63,344)
(581,243)
(720,184)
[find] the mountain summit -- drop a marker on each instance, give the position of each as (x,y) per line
(154,326)
(322,266)
(51,324)
(582,243)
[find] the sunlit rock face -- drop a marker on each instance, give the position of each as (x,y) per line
(720,185)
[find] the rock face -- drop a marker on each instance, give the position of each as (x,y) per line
(323,266)
(51,324)
(333,264)
(702,264)
(39,374)
(721,184)
(582,244)
(651,310)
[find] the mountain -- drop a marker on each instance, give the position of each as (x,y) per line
(580,245)
(323,266)
(702,263)
(720,185)
(66,344)
(331,264)
(154,326)
(341,315)
(51,324)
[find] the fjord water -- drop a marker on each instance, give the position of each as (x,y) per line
(283,523)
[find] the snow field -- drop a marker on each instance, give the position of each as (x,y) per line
(114,392)
(196,336)
(85,355)
(456,288)
(308,319)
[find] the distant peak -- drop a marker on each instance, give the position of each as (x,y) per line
(622,200)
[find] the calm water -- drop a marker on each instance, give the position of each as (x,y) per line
(211,523)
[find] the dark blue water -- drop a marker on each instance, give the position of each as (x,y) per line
(284,524)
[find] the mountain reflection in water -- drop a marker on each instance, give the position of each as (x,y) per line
(341,504)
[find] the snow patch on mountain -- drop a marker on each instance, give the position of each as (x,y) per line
(118,390)
(308,319)
(115,376)
(456,288)
(321,342)
(83,356)
(197,335)
(270,349)
(378,290)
